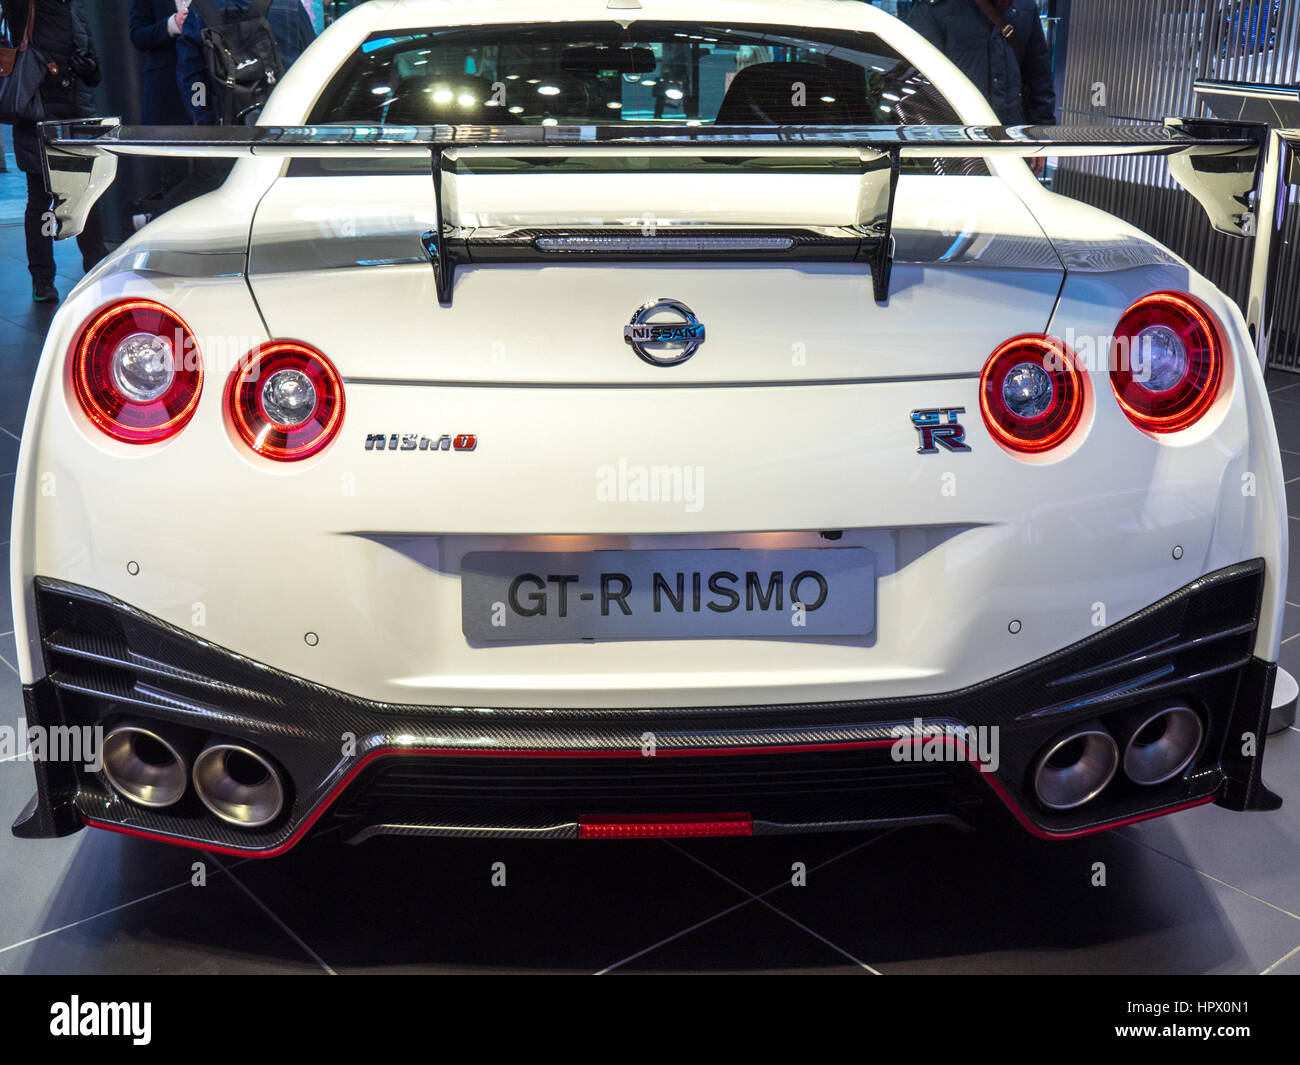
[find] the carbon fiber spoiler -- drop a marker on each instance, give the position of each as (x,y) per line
(1217,162)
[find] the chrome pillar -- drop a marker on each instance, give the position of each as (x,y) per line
(1141,62)
(1267,284)
(1277,219)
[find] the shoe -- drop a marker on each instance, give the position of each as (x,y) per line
(44,292)
(139,221)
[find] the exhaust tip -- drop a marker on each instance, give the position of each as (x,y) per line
(143,767)
(1075,767)
(239,785)
(1162,745)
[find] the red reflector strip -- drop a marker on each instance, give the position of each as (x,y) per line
(674,826)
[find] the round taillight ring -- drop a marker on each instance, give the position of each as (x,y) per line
(1031,394)
(137,373)
(285,401)
(1166,390)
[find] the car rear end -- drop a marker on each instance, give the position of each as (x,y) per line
(796,560)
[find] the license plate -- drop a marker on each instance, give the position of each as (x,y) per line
(560,596)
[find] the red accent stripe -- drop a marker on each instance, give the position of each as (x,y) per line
(690,752)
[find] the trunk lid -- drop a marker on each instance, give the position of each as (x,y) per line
(336,261)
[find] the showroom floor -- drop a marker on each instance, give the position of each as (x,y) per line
(1204,891)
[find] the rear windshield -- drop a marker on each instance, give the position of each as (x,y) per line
(576,73)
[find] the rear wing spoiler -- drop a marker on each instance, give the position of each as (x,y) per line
(1218,162)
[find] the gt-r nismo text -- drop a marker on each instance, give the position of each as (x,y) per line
(659,419)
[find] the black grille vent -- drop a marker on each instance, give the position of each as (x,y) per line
(786,788)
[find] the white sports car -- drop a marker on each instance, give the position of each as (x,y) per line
(643,418)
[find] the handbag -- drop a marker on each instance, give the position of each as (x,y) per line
(21,72)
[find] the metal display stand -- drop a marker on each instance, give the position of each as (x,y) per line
(1277,107)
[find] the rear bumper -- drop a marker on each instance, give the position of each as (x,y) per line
(440,770)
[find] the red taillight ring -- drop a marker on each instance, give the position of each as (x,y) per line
(100,394)
(1185,402)
(1052,426)
(245,403)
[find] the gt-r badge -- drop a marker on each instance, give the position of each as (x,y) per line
(418,442)
(940,427)
(664,342)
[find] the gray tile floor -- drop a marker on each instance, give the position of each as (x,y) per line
(1205,891)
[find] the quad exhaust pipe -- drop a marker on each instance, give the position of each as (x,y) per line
(145,764)
(238,784)
(1158,745)
(1152,744)
(1075,766)
(153,765)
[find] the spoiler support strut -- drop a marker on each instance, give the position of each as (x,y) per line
(434,241)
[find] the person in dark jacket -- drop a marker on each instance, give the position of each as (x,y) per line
(155,26)
(62,37)
(1013,72)
(292,30)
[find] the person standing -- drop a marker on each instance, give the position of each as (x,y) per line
(292,30)
(63,39)
(155,25)
(290,25)
(1000,46)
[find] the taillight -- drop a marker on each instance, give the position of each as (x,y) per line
(1031,394)
(137,372)
(286,401)
(1167,362)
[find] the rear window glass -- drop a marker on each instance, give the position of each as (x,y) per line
(600,73)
